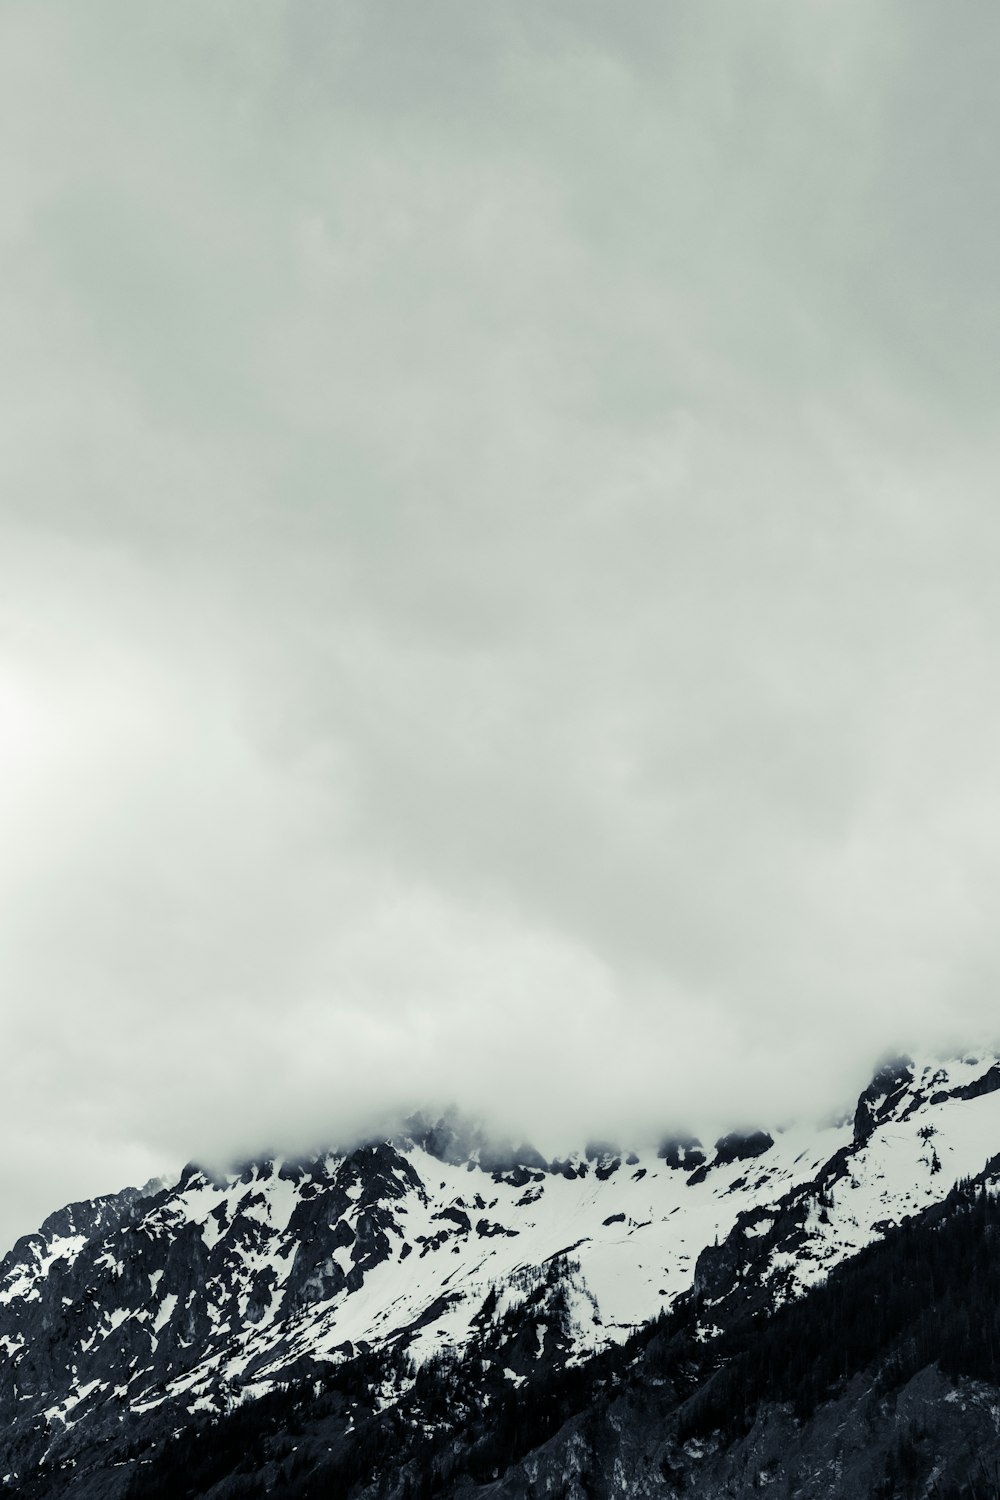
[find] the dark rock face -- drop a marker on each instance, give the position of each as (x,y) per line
(737,1147)
(987,1083)
(877,1102)
(683,1153)
(733,1147)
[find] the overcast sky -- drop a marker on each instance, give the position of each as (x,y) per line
(499,555)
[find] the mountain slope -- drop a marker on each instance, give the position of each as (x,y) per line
(881,1382)
(124,1319)
(884,1381)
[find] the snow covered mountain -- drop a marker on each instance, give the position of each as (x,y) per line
(123,1318)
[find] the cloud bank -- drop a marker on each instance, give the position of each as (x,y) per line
(498,544)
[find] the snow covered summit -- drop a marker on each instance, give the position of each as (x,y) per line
(192,1296)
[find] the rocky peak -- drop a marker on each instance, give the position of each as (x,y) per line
(877,1101)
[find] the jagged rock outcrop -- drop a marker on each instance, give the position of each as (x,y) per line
(876,1103)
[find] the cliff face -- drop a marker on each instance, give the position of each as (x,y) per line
(127,1318)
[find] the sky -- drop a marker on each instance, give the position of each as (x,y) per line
(499,533)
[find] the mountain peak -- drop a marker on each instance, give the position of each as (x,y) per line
(438,1242)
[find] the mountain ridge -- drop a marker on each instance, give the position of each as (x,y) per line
(121,1317)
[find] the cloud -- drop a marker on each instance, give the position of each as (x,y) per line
(496,569)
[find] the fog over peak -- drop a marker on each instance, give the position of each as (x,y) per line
(498,545)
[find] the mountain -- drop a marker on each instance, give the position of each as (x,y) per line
(436,1289)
